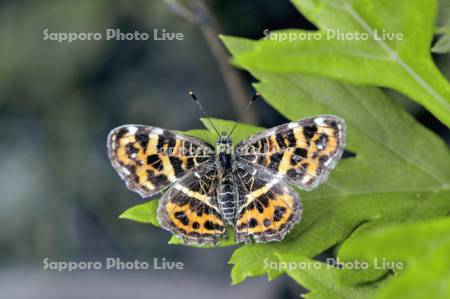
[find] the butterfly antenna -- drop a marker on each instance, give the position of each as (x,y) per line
(203,111)
(252,100)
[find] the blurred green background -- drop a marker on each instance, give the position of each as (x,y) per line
(60,198)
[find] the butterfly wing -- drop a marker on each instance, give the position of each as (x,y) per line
(302,152)
(150,159)
(267,207)
(189,208)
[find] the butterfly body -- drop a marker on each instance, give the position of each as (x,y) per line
(226,193)
(246,186)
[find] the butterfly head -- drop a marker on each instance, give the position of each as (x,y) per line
(224,144)
(224,140)
(224,151)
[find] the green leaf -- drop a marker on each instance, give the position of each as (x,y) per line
(400,172)
(403,65)
(424,249)
(241,132)
(205,135)
(320,279)
(145,213)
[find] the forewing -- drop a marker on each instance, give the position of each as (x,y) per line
(303,152)
(189,208)
(267,207)
(150,159)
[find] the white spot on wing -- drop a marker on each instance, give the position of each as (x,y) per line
(306,178)
(157,131)
(320,121)
(292,125)
(132,129)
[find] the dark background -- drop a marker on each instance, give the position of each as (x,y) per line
(60,198)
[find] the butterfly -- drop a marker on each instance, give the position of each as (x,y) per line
(246,187)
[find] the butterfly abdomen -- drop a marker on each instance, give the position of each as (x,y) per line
(226,198)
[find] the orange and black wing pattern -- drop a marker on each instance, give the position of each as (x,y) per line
(150,159)
(302,152)
(189,208)
(267,207)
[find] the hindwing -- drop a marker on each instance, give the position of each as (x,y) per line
(189,208)
(267,208)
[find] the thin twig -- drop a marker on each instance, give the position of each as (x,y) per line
(210,31)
